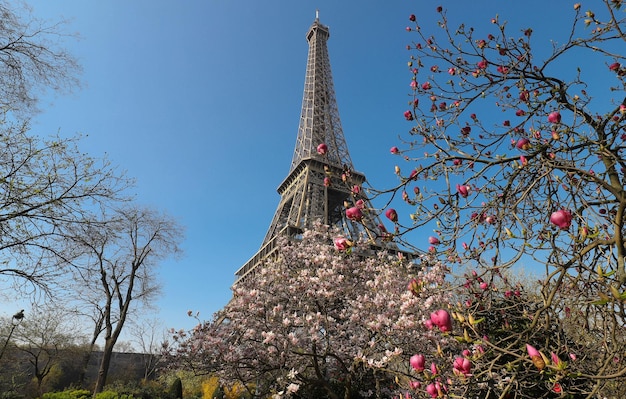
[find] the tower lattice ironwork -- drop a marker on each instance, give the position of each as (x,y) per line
(319,186)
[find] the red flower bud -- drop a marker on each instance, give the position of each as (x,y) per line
(554,117)
(561,218)
(417,362)
(536,357)
(354,213)
(462,190)
(392,215)
(523,144)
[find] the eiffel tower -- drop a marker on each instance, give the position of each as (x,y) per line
(322,183)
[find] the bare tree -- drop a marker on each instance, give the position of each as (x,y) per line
(32,59)
(120,259)
(44,337)
(149,335)
(46,187)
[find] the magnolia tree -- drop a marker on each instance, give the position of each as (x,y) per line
(516,160)
(323,321)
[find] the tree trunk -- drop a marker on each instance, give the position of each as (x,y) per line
(103,371)
(87,356)
(85,364)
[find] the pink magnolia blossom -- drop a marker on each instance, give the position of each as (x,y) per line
(295,296)
(554,117)
(523,161)
(354,213)
(462,190)
(434,369)
(615,66)
(322,149)
(523,143)
(426,86)
(415,385)
(532,351)
(327,182)
(432,390)
(535,356)
(408,115)
(417,362)
(561,218)
(360,204)
(433,240)
(342,243)
(394,150)
(462,366)
(524,95)
(392,215)
(441,318)
(414,286)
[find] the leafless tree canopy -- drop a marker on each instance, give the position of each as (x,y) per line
(46,186)
(32,59)
(117,268)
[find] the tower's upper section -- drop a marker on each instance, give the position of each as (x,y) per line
(319,121)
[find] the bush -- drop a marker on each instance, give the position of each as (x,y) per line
(176,390)
(68,394)
(112,395)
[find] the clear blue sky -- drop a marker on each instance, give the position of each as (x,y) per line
(199,100)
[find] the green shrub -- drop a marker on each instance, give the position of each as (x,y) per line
(176,390)
(68,394)
(113,395)
(139,390)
